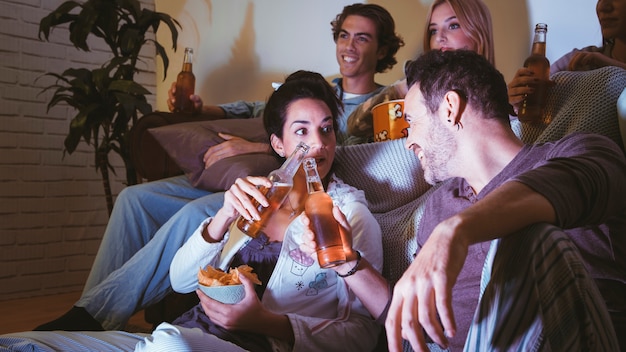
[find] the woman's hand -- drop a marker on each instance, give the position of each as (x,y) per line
(586,61)
(309,245)
(520,86)
(238,198)
(237,201)
(247,315)
(243,315)
(171,99)
(524,83)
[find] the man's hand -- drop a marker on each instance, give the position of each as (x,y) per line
(171,99)
(232,146)
(422,298)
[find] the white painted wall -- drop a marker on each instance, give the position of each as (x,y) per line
(243,45)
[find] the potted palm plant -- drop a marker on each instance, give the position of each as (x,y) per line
(107,99)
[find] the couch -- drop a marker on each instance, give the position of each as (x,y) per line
(390,175)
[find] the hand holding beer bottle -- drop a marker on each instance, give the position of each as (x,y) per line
(282,182)
(531,108)
(528,89)
(319,208)
(185,85)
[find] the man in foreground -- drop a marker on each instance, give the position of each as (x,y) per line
(457,107)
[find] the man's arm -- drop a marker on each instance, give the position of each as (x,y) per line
(233,146)
(580,181)
(422,298)
(214,111)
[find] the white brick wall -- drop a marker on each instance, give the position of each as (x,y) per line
(52,208)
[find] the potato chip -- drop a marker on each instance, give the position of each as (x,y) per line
(210,276)
(246,271)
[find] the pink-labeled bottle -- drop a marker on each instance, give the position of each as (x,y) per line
(319,208)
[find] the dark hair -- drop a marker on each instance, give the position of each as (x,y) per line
(385,30)
(465,72)
(299,85)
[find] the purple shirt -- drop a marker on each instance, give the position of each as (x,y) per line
(584,177)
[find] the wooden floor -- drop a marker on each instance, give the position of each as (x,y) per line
(27,313)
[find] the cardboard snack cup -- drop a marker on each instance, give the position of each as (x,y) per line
(388,121)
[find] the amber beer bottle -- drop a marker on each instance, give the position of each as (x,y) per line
(531,109)
(319,208)
(185,85)
(282,182)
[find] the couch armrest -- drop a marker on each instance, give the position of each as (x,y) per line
(150,159)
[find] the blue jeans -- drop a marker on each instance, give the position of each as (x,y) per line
(149,223)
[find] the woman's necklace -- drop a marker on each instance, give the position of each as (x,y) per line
(294,211)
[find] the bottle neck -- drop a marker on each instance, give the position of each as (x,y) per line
(187,60)
(539,43)
(187,67)
(313,180)
(293,162)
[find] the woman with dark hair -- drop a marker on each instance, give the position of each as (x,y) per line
(305,310)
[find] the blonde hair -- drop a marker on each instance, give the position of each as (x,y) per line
(475,20)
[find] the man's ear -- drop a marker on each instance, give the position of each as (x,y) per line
(382,52)
(455,106)
(277,145)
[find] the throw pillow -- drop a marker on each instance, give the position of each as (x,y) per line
(187,142)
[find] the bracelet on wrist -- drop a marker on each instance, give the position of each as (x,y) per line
(354,268)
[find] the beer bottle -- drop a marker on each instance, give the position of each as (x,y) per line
(319,208)
(185,85)
(531,109)
(282,182)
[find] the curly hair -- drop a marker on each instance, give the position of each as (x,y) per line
(385,30)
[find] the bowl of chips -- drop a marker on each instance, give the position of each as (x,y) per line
(225,287)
